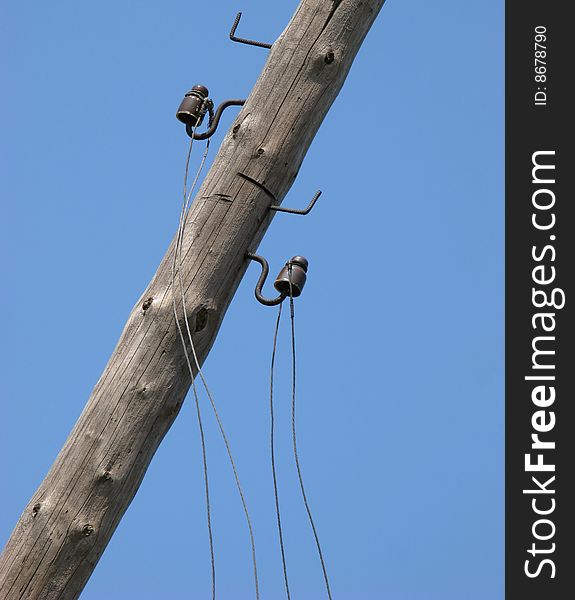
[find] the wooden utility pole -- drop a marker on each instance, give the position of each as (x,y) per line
(66,526)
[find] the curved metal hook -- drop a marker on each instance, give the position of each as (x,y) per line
(215,121)
(243,40)
(258,291)
(277,207)
(297,211)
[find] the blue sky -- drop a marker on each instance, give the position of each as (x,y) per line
(400,327)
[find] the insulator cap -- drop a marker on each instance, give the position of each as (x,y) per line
(201,89)
(300,261)
(299,266)
(190,111)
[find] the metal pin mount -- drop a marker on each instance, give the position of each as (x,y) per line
(297,211)
(277,207)
(289,282)
(240,40)
(194,107)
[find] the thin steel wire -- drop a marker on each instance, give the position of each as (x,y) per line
(182,339)
(229,452)
(272,446)
(185,211)
(299,474)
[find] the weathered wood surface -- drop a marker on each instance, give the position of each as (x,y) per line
(72,516)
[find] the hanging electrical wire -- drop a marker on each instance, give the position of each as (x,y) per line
(178,264)
(272,450)
(179,236)
(291,286)
(227,444)
(294,436)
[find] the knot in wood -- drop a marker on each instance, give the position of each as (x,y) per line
(201,319)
